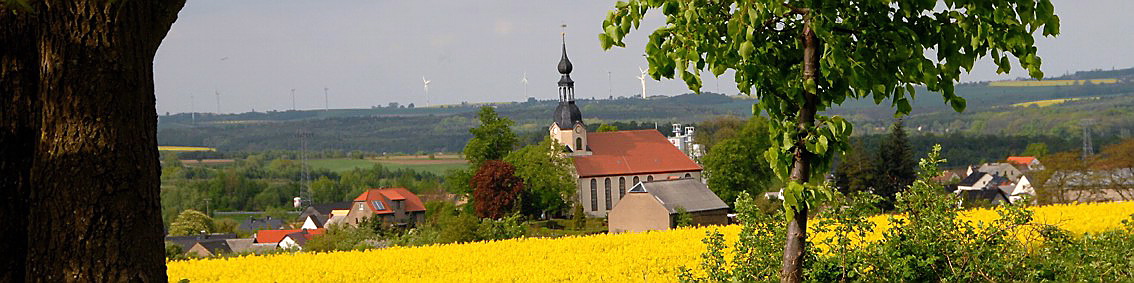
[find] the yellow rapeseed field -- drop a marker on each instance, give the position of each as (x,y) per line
(1051,83)
(184,148)
(637,257)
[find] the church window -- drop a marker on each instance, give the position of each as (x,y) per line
(650,178)
(578,144)
(636,180)
(594,195)
(607,187)
(621,187)
(687,176)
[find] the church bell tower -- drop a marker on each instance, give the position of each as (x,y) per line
(567,127)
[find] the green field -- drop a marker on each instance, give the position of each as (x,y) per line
(424,165)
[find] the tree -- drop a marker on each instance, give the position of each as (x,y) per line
(800,57)
(607,128)
(78,130)
(1038,149)
(712,131)
(856,171)
(548,184)
(737,164)
(191,222)
(492,140)
(495,189)
(896,167)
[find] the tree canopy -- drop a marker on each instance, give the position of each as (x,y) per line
(495,189)
(736,164)
(191,222)
(548,184)
(492,140)
(801,57)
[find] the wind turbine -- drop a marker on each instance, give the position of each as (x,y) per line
(426,82)
(525,80)
(643,79)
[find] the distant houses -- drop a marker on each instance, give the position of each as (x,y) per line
(395,206)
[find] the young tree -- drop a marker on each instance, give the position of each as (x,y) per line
(492,140)
(191,222)
(546,172)
(737,164)
(495,189)
(896,167)
(78,130)
(801,57)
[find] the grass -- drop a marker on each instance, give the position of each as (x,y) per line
(340,165)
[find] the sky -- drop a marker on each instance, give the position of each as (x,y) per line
(358,54)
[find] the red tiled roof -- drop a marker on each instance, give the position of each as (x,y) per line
(273,236)
(1021,160)
(386,196)
(632,152)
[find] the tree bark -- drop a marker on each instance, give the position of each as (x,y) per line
(92,183)
(18,128)
(792,270)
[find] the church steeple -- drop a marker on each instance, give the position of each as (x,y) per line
(566,85)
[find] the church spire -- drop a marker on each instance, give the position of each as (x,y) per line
(566,85)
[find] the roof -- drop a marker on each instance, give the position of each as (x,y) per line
(566,115)
(187,242)
(385,195)
(632,152)
(690,194)
(1021,160)
(972,179)
(301,237)
(273,236)
(323,211)
(240,245)
(266,223)
(216,246)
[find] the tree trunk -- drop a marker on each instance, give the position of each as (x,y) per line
(19,126)
(92,188)
(801,169)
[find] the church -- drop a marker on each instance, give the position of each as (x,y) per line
(608,163)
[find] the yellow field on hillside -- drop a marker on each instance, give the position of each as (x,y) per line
(1051,82)
(636,257)
(1050,102)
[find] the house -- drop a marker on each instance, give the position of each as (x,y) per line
(210,248)
(654,205)
(396,206)
(1020,190)
(187,242)
(1002,169)
(316,216)
(299,239)
(974,181)
(608,163)
(253,224)
(272,236)
(1028,163)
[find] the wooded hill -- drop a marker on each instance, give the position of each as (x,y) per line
(989,118)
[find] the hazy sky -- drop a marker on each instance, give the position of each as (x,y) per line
(374,52)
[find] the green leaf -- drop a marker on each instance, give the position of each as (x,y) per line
(604,41)
(746,50)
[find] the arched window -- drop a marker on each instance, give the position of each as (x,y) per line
(578,144)
(594,195)
(650,178)
(688,176)
(621,187)
(607,186)
(635,180)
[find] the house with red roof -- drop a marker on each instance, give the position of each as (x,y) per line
(607,163)
(286,239)
(397,206)
(1029,163)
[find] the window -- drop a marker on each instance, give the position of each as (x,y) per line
(621,187)
(360,206)
(650,178)
(688,176)
(607,187)
(378,205)
(578,144)
(594,195)
(636,180)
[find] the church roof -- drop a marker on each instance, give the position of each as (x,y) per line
(632,152)
(567,114)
